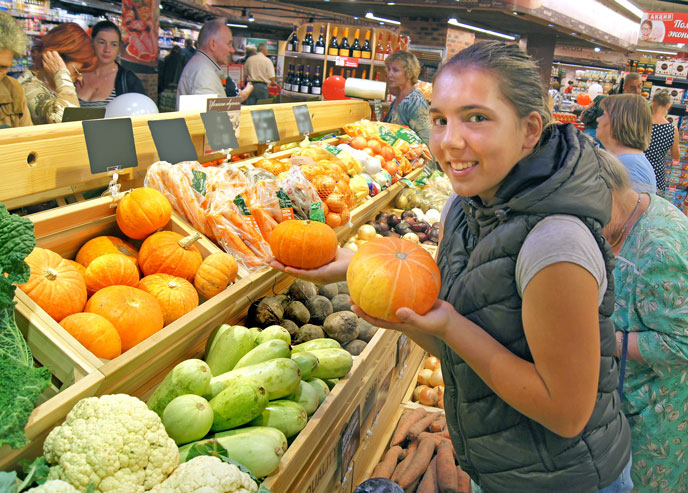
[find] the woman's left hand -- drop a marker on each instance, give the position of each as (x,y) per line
(435,322)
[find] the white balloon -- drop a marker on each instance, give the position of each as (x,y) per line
(130,104)
(595,90)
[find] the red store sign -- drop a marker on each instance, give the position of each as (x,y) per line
(664,27)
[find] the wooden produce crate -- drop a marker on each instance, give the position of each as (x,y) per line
(74,378)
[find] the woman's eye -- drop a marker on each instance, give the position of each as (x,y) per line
(439,121)
(476,118)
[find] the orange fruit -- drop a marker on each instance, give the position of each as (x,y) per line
(359,143)
(387,153)
(375,146)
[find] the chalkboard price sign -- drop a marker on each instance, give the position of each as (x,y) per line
(303,119)
(219,130)
(110,144)
(265,124)
(172,140)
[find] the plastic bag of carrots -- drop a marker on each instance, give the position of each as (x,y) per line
(268,203)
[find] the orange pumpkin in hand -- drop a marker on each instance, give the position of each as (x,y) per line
(386,274)
(303,244)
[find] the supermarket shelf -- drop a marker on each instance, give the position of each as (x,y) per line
(662,79)
(294,94)
(312,56)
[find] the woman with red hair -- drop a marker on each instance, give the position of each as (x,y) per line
(59,60)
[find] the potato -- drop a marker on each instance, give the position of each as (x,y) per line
(329,291)
(366,330)
(341,303)
(320,308)
(342,326)
(308,332)
(302,290)
(282,299)
(265,312)
(297,312)
(291,327)
(355,347)
(343,287)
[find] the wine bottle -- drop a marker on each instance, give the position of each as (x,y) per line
(334,45)
(356,45)
(307,43)
(292,42)
(306,83)
(316,86)
(379,49)
(348,73)
(344,47)
(331,72)
(363,75)
(388,48)
(365,51)
(296,81)
(288,78)
(320,44)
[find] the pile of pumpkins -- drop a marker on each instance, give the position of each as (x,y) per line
(113,295)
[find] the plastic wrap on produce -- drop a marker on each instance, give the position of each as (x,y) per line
(268,203)
(300,191)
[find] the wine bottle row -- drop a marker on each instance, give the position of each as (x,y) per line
(342,47)
(300,80)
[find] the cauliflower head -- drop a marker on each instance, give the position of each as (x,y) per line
(206,474)
(113,442)
(54,486)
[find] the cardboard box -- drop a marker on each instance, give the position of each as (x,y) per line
(679,68)
(664,67)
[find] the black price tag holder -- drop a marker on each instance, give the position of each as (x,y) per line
(110,144)
(303,119)
(265,126)
(172,140)
(219,131)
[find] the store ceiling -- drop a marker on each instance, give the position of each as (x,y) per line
(667,5)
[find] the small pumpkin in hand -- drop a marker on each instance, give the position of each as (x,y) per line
(95,333)
(100,245)
(109,270)
(167,252)
(55,285)
(217,271)
(303,244)
(176,295)
(135,314)
(142,212)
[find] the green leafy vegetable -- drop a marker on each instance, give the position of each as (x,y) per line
(36,472)
(21,383)
(8,481)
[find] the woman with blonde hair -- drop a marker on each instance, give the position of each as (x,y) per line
(664,138)
(14,111)
(409,106)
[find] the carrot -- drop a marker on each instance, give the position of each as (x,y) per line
(410,452)
(386,467)
(447,478)
(419,463)
(405,423)
(439,424)
(421,425)
(429,482)
(464,480)
(413,486)
(434,436)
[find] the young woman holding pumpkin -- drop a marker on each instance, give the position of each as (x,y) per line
(522,325)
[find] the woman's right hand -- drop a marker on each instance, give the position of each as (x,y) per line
(52,62)
(335,271)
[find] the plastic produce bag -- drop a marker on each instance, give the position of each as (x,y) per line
(301,192)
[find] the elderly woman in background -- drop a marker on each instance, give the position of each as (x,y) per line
(664,138)
(410,107)
(60,59)
(13,109)
(624,129)
(649,237)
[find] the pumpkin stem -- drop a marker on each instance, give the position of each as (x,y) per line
(50,274)
(402,255)
(186,242)
(172,285)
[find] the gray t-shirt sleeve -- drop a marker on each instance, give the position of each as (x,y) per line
(560,238)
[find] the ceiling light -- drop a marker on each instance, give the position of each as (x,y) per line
(370,15)
(574,34)
(550,25)
(250,18)
(456,23)
(391,3)
(631,8)
(242,26)
(660,52)
(597,49)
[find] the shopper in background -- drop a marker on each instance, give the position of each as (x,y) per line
(109,79)
(409,107)
(250,51)
(203,73)
(555,95)
(569,88)
(524,331)
(649,237)
(171,70)
(188,51)
(632,83)
(624,129)
(260,72)
(14,111)
(60,59)
(664,138)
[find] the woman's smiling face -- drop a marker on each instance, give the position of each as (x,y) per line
(477,136)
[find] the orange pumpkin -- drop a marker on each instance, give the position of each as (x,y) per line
(216,272)
(55,285)
(100,245)
(135,314)
(167,252)
(386,274)
(176,295)
(303,244)
(95,333)
(142,212)
(77,266)
(110,269)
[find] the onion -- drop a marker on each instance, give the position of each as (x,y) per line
(428,397)
(424,376)
(417,391)
(436,378)
(366,232)
(432,362)
(440,396)
(351,245)
(411,237)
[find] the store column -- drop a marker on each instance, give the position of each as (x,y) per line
(541,48)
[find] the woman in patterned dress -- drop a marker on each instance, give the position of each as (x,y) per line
(664,138)
(649,237)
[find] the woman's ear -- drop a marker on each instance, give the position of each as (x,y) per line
(533,128)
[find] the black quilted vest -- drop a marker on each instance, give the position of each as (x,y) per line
(500,448)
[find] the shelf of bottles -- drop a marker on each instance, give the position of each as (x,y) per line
(319,50)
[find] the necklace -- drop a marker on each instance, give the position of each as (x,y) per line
(627,225)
